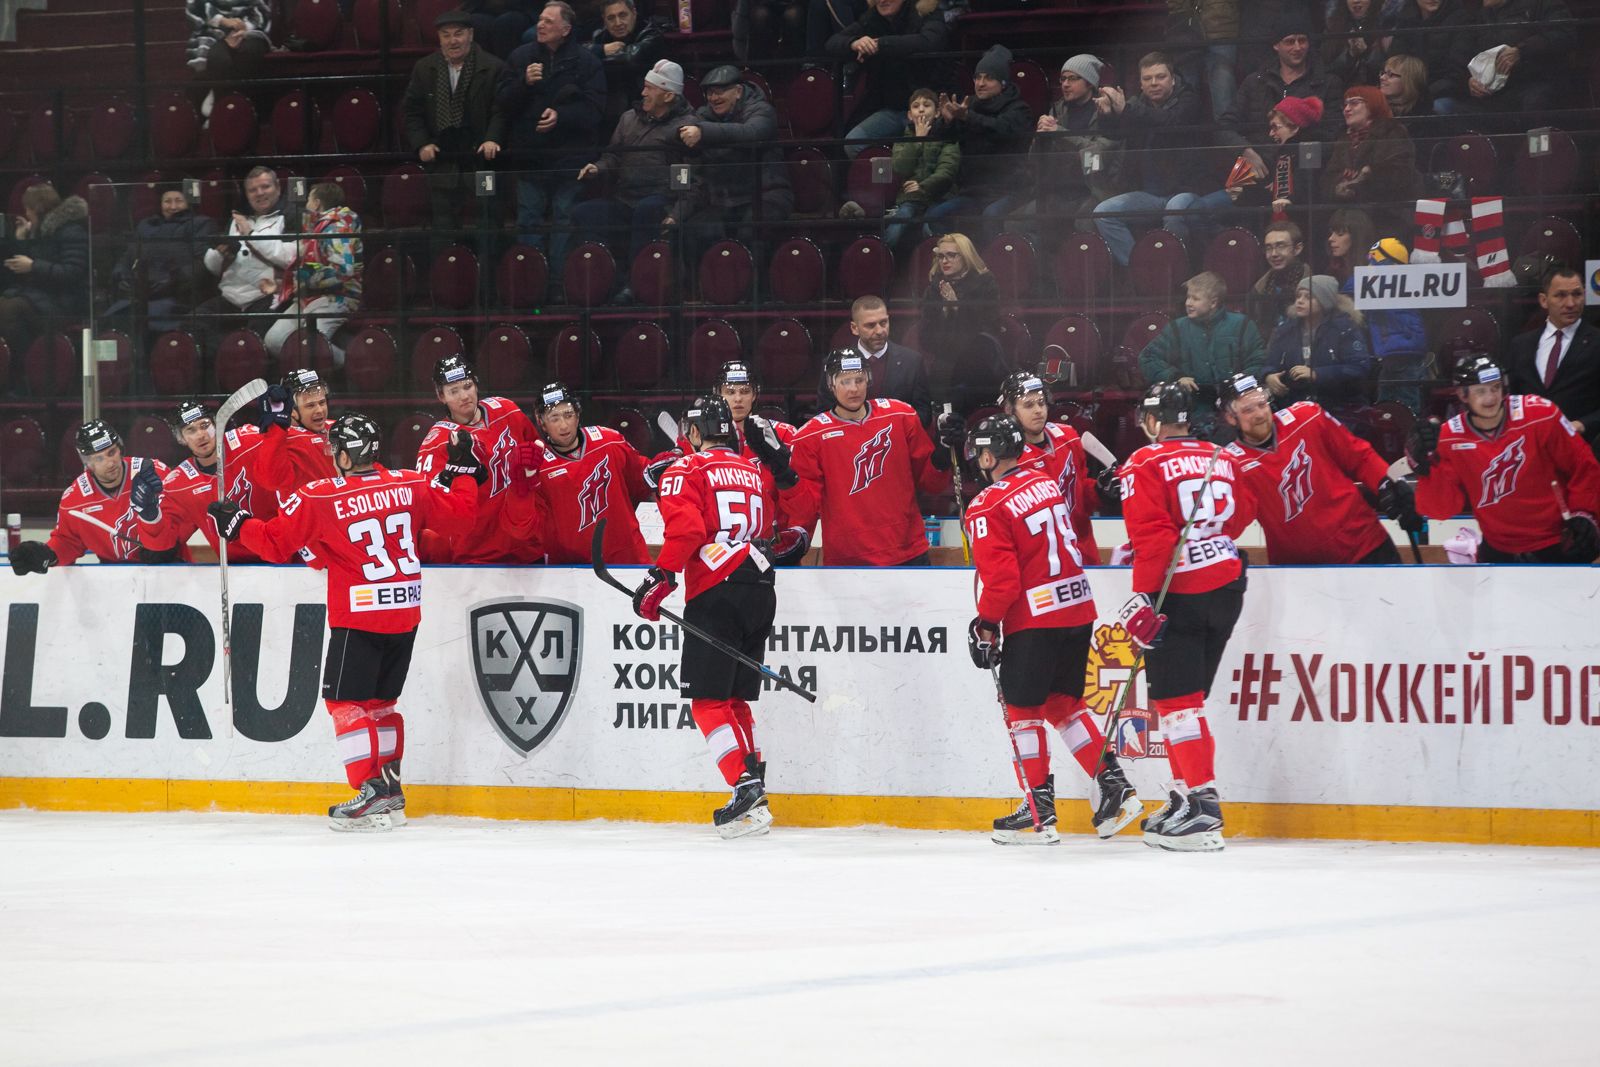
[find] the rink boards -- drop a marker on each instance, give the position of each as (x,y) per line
(1414,703)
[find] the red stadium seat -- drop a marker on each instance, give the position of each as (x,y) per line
(1158,264)
(174,125)
(1010,259)
(241,357)
(1016,341)
(651,275)
(639,431)
(693,95)
(405,196)
(874,197)
(175,364)
(44,140)
(50,366)
(575,356)
(105,212)
(1470,154)
(784,356)
(317,22)
(144,195)
(1083,268)
(112,128)
(589,275)
(843,337)
(216,192)
(296,124)
(811,177)
(522,277)
(453,278)
(865,268)
(22,453)
(1077,339)
(812,105)
(425,11)
(1142,330)
(1035,86)
(1235,253)
(367,17)
(116,375)
(752,77)
(713,343)
(504,358)
(306,347)
(435,344)
(369,360)
(357,120)
(921,264)
(1461,330)
(388,281)
(1552,173)
(641,355)
(233,125)
(1551,236)
(726,273)
(405,439)
(349,179)
(150,435)
(797,274)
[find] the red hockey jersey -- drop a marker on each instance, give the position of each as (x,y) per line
(603,479)
(364,529)
(1061,457)
(713,504)
(188,488)
(1161,486)
(786,508)
(864,478)
(1504,478)
(1304,484)
(1028,559)
(494,442)
(90,519)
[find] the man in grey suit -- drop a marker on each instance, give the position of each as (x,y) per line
(1561,359)
(898,373)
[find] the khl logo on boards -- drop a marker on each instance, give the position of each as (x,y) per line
(525,656)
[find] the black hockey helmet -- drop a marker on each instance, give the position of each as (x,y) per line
(356,435)
(1234,386)
(452,369)
(1477,368)
(303,381)
(556,393)
(844,359)
(1000,434)
(709,415)
(1019,384)
(188,411)
(1169,402)
(737,372)
(96,435)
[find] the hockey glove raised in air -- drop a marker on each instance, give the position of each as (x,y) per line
(658,466)
(32,557)
(983,643)
(273,409)
(461,462)
(789,547)
(656,587)
(1138,617)
(773,453)
(1397,502)
(1422,447)
(145,496)
(230,518)
(1580,538)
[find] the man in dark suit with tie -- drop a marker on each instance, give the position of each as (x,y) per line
(1561,359)
(898,373)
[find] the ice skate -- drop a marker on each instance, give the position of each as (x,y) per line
(370,810)
(746,813)
(390,773)
(1116,804)
(1018,829)
(1198,828)
(1153,824)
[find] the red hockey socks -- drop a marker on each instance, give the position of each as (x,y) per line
(391,730)
(1190,748)
(1032,748)
(357,740)
(1078,729)
(718,721)
(745,720)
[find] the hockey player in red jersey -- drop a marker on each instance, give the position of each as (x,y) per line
(506,444)
(1036,607)
(364,525)
(1184,504)
(1517,464)
(1305,469)
(1057,450)
(712,501)
(306,442)
(99,511)
(863,462)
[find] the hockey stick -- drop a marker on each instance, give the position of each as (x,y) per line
(669,426)
(1092,445)
(961,504)
(242,397)
(600,571)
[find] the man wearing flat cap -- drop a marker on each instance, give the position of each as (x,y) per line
(453,122)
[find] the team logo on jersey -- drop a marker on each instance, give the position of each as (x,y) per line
(239,488)
(1068,484)
(525,656)
(1111,670)
(125,536)
(1295,487)
(1500,476)
(871,458)
(594,494)
(500,461)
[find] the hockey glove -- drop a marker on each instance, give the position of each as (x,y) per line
(1580,538)
(983,643)
(461,462)
(658,466)
(230,518)
(1422,446)
(1109,487)
(951,431)
(1396,501)
(273,409)
(145,496)
(32,557)
(1138,617)
(773,453)
(789,547)
(656,587)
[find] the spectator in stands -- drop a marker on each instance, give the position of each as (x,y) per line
(642,196)
(249,263)
(1269,298)
(1375,163)
(763,28)
(453,121)
(552,92)
(627,47)
(1205,30)
(1204,347)
(228,41)
(1425,29)
(1292,120)
(161,274)
(743,179)
(1320,352)
(1064,140)
(961,323)
(323,286)
(886,42)
(1404,83)
(46,276)
(1514,55)
(925,164)
(1157,128)
(1349,231)
(1397,337)
(499,25)
(994,127)
(824,18)
(898,372)
(1355,59)
(1567,372)
(1291,72)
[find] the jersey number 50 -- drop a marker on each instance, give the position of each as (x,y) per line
(740,517)
(383,564)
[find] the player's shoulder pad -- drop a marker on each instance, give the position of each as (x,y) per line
(1300,410)
(1455,425)
(1058,431)
(440,430)
(598,434)
(1235,449)
(1525,407)
(78,487)
(499,405)
(819,421)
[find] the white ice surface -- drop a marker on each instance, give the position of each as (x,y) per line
(237,939)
